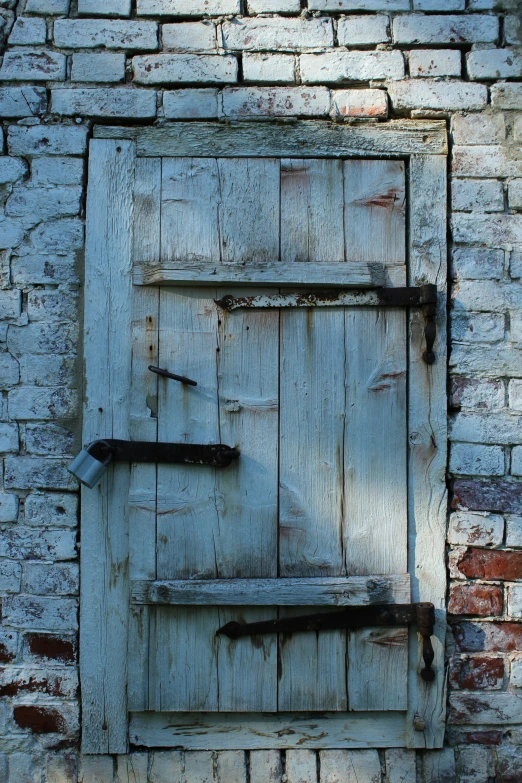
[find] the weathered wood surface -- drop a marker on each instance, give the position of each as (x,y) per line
(264,732)
(378,669)
(427,428)
(104,553)
(286,140)
(269,273)
(319,591)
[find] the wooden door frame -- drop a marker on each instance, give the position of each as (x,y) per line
(105,584)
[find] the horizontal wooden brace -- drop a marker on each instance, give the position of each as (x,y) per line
(320,591)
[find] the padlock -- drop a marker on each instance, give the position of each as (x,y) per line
(87,468)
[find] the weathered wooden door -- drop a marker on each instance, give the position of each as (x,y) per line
(341,454)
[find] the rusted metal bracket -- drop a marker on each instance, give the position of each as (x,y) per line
(422,614)
(168,374)
(424,296)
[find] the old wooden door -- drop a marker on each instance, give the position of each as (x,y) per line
(325,405)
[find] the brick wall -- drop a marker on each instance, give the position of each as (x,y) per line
(66,65)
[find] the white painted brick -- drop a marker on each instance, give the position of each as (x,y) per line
(487,296)
(439,5)
(33,403)
(485,161)
(8,438)
(56,171)
(351,66)
(361,30)
(30,543)
(516,672)
(478,328)
(437,766)
(359,5)
(61,769)
(9,643)
(184,68)
(48,439)
(48,7)
(116,102)
(514,600)
(111,34)
(96,769)
(51,510)
(400,765)
(10,575)
(190,37)
(9,371)
(274,6)
(419,29)
(475,764)
(494,64)
(187,7)
(513,531)
(44,203)
(22,101)
(191,104)
(478,128)
(40,613)
(517,128)
(516,326)
(486,195)
(477,393)
(515,263)
(8,507)
(475,263)
(277,33)
(515,394)
(107,8)
(513,29)
(515,194)
(11,232)
(50,578)
(28,30)
(473,460)
(360,103)
(269,68)
(488,361)
(22,768)
(47,370)
(47,140)
(38,473)
(469,529)
(58,681)
(493,229)
(494,428)
(42,338)
(440,96)
(276,102)
(36,66)
(98,67)
(506,96)
(44,269)
(434,62)
(44,305)
(11,169)
(516,461)
(10,303)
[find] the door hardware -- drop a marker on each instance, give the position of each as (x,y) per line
(167,374)
(422,614)
(92,461)
(424,296)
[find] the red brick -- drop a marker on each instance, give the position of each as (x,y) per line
(490,564)
(490,737)
(49,647)
(482,600)
(476,672)
(488,495)
(488,637)
(39,720)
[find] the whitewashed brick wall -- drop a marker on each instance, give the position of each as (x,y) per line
(68,64)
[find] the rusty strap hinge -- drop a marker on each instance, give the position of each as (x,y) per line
(424,296)
(422,614)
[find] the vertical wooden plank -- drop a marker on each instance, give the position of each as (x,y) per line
(189,210)
(249,209)
(377,669)
(301,766)
(104,553)
(311,496)
(374,211)
(427,442)
(143,422)
(231,767)
(349,766)
(199,766)
(265,766)
(312,210)
(375,479)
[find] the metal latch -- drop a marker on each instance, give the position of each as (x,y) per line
(422,614)
(424,296)
(91,463)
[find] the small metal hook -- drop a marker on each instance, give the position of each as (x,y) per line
(167,374)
